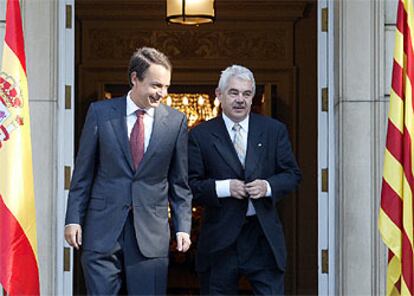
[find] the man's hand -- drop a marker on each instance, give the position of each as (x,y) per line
(256,189)
(237,189)
(183,241)
(73,235)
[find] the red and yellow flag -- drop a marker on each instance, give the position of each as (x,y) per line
(19,272)
(396,212)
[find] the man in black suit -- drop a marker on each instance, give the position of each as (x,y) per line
(132,161)
(240,165)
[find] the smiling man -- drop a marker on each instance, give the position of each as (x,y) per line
(240,165)
(132,162)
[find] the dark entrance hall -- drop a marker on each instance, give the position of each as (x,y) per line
(277,40)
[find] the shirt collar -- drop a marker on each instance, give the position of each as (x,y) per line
(131,107)
(230,123)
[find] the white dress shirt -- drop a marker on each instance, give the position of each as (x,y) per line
(223,186)
(131,118)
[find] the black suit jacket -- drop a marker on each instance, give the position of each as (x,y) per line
(212,157)
(105,186)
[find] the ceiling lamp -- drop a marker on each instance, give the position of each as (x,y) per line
(190,12)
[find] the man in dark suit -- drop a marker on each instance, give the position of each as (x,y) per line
(240,165)
(132,161)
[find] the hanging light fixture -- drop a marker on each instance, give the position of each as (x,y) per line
(190,12)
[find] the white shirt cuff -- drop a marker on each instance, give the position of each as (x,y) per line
(223,188)
(269,189)
(181,232)
(71,224)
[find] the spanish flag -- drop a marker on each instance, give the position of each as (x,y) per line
(396,212)
(19,272)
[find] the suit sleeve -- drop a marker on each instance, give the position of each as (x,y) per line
(179,190)
(204,188)
(84,172)
(287,174)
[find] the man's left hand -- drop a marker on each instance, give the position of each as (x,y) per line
(183,241)
(256,189)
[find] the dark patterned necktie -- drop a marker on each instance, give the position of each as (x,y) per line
(137,139)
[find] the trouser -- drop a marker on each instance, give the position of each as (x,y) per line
(250,256)
(105,272)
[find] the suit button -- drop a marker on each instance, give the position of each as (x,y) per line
(128,207)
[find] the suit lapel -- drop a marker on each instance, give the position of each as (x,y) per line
(255,146)
(159,127)
(225,147)
(121,131)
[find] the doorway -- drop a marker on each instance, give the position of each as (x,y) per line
(277,40)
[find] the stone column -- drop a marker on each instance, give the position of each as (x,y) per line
(40,32)
(363,57)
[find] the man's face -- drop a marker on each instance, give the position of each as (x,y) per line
(149,92)
(236,99)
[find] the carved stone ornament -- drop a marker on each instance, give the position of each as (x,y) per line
(117,45)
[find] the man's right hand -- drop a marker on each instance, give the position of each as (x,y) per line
(73,235)
(237,189)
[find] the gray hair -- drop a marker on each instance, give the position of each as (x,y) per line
(238,72)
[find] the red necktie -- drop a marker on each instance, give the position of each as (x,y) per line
(137,139)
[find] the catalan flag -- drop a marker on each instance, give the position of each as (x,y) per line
(396,213)
(19,272)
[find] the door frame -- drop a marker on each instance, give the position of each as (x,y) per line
(65,140)
(327,213)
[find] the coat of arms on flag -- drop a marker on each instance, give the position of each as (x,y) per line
(10,107)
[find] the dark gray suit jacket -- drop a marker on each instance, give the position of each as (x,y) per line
(105,186)
(212,157)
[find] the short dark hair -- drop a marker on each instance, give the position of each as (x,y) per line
(142,58)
